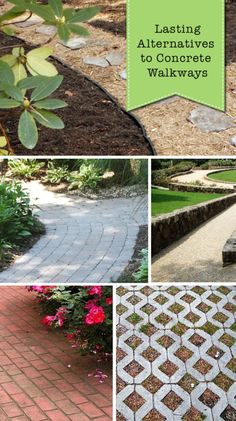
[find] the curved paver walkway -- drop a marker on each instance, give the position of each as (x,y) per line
(197,257)
(176,353)
(199,175)
(41,376)
(86,240)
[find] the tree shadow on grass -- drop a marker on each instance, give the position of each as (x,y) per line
(168,198)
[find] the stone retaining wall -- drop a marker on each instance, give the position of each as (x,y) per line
(170,227)
(204,189)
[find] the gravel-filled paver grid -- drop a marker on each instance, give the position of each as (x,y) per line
(176,353)
(41,376)
(85,241)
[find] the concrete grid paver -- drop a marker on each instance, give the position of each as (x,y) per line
(41,376)
(85,241)
(176,353)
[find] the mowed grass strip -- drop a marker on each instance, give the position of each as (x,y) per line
(166,201)
(229,176)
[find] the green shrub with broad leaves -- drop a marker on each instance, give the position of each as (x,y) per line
(27,79)
(25,168)
(87,177)
(17,223)
(56,174)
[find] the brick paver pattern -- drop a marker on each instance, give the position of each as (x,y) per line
(176,354)
(41,376)
(86,240)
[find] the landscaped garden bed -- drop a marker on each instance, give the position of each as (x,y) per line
(19,228)
(94,123)
(163,121)
(83,313)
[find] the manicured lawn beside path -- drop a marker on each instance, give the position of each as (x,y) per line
(41,376)
(166,201)
(229,176)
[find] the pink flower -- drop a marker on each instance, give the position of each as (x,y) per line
(70,336)
(109,301)
(60,316)
(43,289)
(96,315)
(48,320)
(96,290)
(90,304)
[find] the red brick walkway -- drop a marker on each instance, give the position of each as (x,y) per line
(41,376)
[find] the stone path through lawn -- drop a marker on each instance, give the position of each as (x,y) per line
(197,257)
(41,376)
(176,355)
(86,240)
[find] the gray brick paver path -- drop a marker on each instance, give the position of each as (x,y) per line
(173,398)
(86,240)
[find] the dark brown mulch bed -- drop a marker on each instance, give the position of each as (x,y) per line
(113,14)
(95,125)
(133,266)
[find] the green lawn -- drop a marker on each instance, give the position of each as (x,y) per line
(224,176)
(165,201)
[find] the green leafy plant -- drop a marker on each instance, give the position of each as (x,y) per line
(64,19)
(34,61)
(17,223)
(3,144)
(16,67)
(56,174)
(35,106)
(85,314)
(25,168)
(87,177)
(142,274)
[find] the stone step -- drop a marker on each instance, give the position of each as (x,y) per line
(229,251)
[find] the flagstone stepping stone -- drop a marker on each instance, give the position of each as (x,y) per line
(98,42)
(210,120)
(46,30)
(232,141)
(123,74)
(96,61)
(75,43)
(115,58)
(34,20)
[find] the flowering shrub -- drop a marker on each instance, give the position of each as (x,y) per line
(85,314)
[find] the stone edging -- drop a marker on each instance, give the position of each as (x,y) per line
(220,181)
(180,173)
(170,227)
(204,189)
